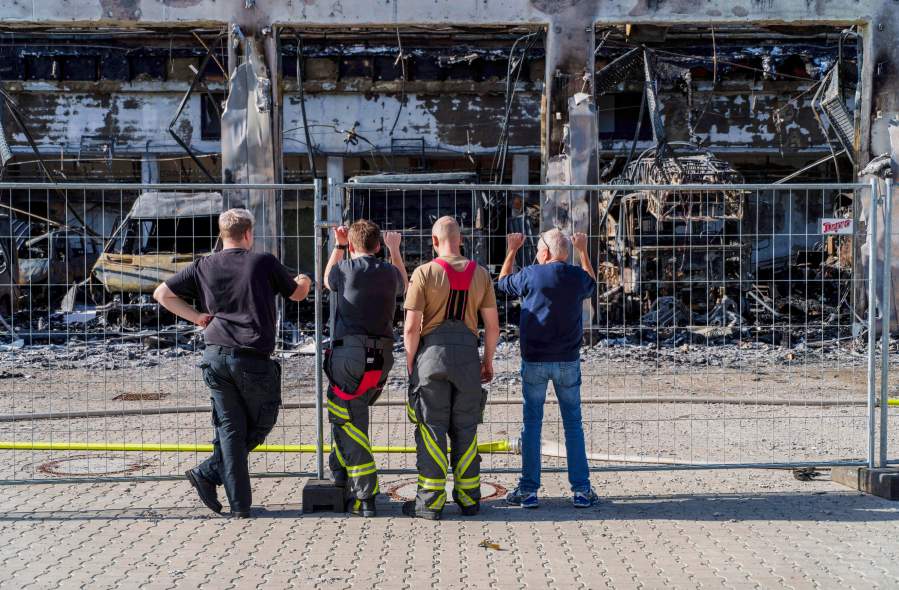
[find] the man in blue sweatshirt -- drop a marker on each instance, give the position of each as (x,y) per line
(551,329)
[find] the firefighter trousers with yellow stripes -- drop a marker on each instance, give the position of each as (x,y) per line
(445,400)
(351,461)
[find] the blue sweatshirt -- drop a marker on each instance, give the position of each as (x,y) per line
(552,297)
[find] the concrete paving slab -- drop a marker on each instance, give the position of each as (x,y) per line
(678,530)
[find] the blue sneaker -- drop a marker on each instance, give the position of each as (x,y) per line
(585,499)
(524,499)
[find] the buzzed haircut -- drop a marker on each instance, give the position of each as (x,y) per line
(446,228)
(365,235)
(234,223)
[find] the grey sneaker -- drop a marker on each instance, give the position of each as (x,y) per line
(585,499)
(524,499)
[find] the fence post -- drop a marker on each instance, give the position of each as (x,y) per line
(317,224)
(872,317)
(885,312)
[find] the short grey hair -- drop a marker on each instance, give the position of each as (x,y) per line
(234,223)
(558,244)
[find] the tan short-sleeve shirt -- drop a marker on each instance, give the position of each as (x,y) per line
(429,291)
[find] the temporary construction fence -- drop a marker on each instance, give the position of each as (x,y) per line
(729,327)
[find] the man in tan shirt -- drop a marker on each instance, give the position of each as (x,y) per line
(445,371)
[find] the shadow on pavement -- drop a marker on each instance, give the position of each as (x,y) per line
(791,506)
(837,506)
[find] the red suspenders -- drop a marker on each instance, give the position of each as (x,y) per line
(460,282)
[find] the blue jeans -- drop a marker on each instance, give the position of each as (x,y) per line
(566,379)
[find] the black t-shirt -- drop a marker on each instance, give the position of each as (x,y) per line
(366,288)
(238,287)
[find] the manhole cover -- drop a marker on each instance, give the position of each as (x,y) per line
(405,490)
(136,397)
(92,466)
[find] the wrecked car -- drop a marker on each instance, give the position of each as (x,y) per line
(684,244)
(162,234)
(52,261)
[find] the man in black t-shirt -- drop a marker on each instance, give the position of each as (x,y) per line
(361,353)
(236,290)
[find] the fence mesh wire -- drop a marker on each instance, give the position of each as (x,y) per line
(727,329)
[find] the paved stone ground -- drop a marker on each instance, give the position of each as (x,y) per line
(734,529)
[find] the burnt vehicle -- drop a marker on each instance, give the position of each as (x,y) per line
(51,261)
(683,244)
(162,234)
(413,212)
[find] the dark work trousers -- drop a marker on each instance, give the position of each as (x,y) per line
(246,396)
(351,459)
(445,398)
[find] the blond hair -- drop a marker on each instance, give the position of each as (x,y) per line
(234,223)
(365,236)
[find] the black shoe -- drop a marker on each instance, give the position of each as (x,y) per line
(361,507)
(240,514)
(205,489)
(470,510)
(409,510)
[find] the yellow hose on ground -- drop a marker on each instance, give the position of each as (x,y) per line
(499,446)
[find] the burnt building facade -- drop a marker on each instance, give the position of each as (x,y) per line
(522,91)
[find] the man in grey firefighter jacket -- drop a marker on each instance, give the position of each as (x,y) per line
(361,352)
(445,373)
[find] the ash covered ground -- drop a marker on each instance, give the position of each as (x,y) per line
(646,400)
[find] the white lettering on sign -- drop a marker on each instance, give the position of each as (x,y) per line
(841,227)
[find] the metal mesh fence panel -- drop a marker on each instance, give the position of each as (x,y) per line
(97,381)
(728,327)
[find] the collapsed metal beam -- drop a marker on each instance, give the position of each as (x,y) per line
(198,75)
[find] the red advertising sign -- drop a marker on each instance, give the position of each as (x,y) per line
(841,227)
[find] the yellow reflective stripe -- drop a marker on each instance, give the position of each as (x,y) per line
(361,434)
(377,488)
(411,413)
(338,411)
(340,416)
(339,456)
(337,408)
(464,498)
(439,502)
(357,504)
(358,474)
(467,483)
(428,483)
(355,469)
(357,435)
(432,448)
(432,479)
(467,458)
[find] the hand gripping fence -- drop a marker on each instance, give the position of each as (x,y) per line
(733,326)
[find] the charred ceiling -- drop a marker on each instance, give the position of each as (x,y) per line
(397,97)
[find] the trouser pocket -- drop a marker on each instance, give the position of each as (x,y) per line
(266,419)
(261,381)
